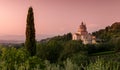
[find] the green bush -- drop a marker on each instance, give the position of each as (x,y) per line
(91,48)
(70,48)
(49,51)
(80,58)
(15,59)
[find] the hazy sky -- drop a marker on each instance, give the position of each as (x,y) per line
(53,17)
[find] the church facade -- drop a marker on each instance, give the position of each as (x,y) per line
(83,35)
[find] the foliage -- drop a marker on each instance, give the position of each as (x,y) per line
(65,37)
(109,32)
(49,51)
(116,43)
(70,48)
(13,59)
(19,59)
(91,48)
(80,58)
(100,64)
(55,50)
(30,42)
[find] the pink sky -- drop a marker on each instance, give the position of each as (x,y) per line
(53,17)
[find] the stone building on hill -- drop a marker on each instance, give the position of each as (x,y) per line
(83,35)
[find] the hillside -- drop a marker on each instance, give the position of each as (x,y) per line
(110,32)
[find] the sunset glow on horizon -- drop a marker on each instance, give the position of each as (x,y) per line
(57,17)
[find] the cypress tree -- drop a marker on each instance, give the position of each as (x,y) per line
(30,42)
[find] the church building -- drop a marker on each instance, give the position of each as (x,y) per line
(83,35)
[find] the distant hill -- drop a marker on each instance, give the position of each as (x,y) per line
(11,41)
(110,32)
(19,38)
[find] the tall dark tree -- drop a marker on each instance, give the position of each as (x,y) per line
(30,42)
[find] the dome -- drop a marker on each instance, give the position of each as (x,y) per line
(82,27)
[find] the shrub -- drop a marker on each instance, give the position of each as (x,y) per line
(49,51)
